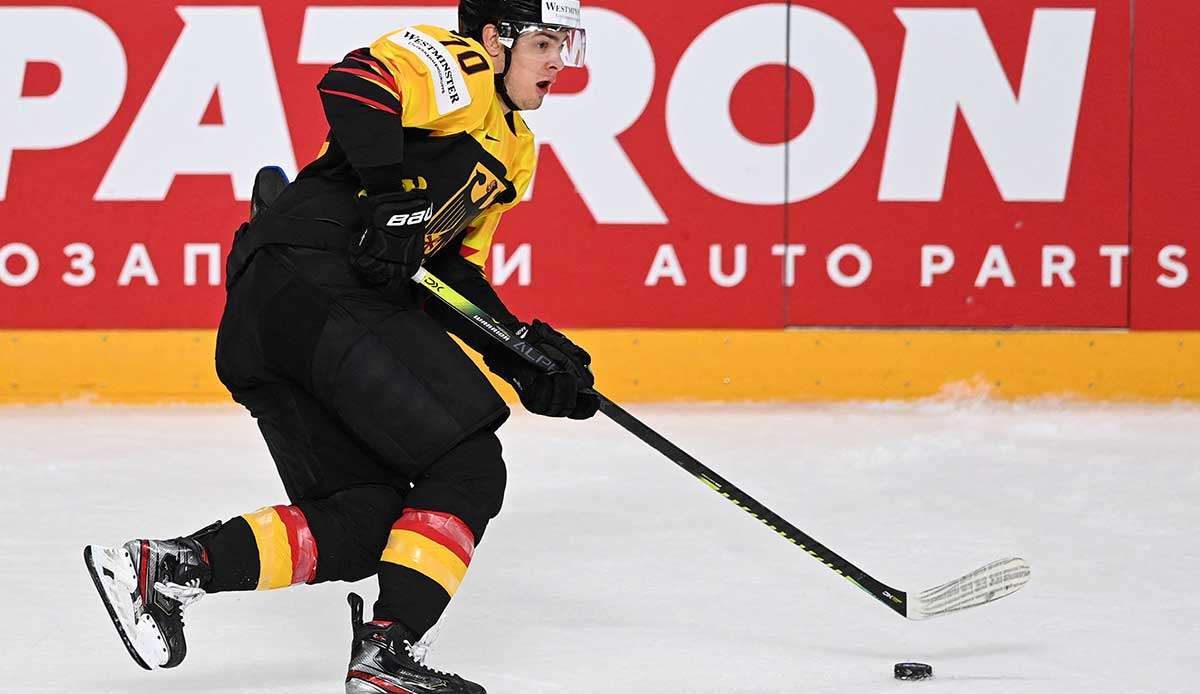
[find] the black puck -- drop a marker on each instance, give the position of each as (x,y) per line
(913,671)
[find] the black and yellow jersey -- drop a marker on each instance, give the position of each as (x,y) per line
(418,110)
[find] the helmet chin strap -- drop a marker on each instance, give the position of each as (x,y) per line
(501,87)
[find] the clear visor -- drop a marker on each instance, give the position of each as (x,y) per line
(571,42)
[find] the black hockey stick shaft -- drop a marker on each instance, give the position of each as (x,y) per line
(893,598)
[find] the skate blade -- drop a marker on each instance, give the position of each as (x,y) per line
(112,572)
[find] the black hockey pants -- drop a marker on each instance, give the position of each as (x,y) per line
(368,408)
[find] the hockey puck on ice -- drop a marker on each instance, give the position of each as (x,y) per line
(913,671)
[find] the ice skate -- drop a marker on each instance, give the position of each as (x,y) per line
(382,660)
(145,586)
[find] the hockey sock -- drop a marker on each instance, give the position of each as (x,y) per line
(233,557)
(425,560)
(270,548)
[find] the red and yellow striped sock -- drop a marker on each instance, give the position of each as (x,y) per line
(287,551)
(436,545)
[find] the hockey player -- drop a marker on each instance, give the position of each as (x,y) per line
(382,430)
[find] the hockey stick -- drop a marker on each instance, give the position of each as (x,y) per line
(988,583)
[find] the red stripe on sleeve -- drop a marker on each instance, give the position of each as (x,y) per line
(364,74)
(379,70)
(303,544)
(368,102)
(443,528)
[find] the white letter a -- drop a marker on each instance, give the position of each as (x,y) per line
(223,49)
(666,264)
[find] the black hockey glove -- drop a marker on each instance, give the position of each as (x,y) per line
(390,250)
(559,393)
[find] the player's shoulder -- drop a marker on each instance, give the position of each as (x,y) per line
(447,72)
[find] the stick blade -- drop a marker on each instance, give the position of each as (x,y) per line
(981,586)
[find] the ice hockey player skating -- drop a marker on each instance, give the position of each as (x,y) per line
(382,430)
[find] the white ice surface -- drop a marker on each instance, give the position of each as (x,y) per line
(612,571)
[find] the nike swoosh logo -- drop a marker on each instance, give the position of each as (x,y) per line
(489,137)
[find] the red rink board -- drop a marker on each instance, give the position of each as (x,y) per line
(664,156)
(971,214)
(1166,191)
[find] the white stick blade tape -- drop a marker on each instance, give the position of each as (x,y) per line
(984,585)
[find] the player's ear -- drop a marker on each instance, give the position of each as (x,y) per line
(491,43)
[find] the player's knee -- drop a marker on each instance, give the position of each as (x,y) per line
(489,477)
(351,529)
(467,482)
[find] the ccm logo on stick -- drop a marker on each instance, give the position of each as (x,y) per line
(411,219)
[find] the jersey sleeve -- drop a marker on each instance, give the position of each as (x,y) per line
(418,77)
(361,100)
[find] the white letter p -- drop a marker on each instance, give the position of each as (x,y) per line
(92,62)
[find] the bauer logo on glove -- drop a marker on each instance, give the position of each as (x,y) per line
(392,247)
(401,220)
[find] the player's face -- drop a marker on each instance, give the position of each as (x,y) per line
(536,63)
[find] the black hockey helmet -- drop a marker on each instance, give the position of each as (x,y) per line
(513,18)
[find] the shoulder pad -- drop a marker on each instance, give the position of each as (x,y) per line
(443,73)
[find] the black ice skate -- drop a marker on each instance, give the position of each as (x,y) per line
(382,661)
(145,586)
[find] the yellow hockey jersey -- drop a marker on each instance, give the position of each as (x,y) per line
(418,110)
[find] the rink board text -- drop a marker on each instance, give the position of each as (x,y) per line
(920,164)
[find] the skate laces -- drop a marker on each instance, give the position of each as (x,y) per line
(188,566)
(186,595)
(419,650)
